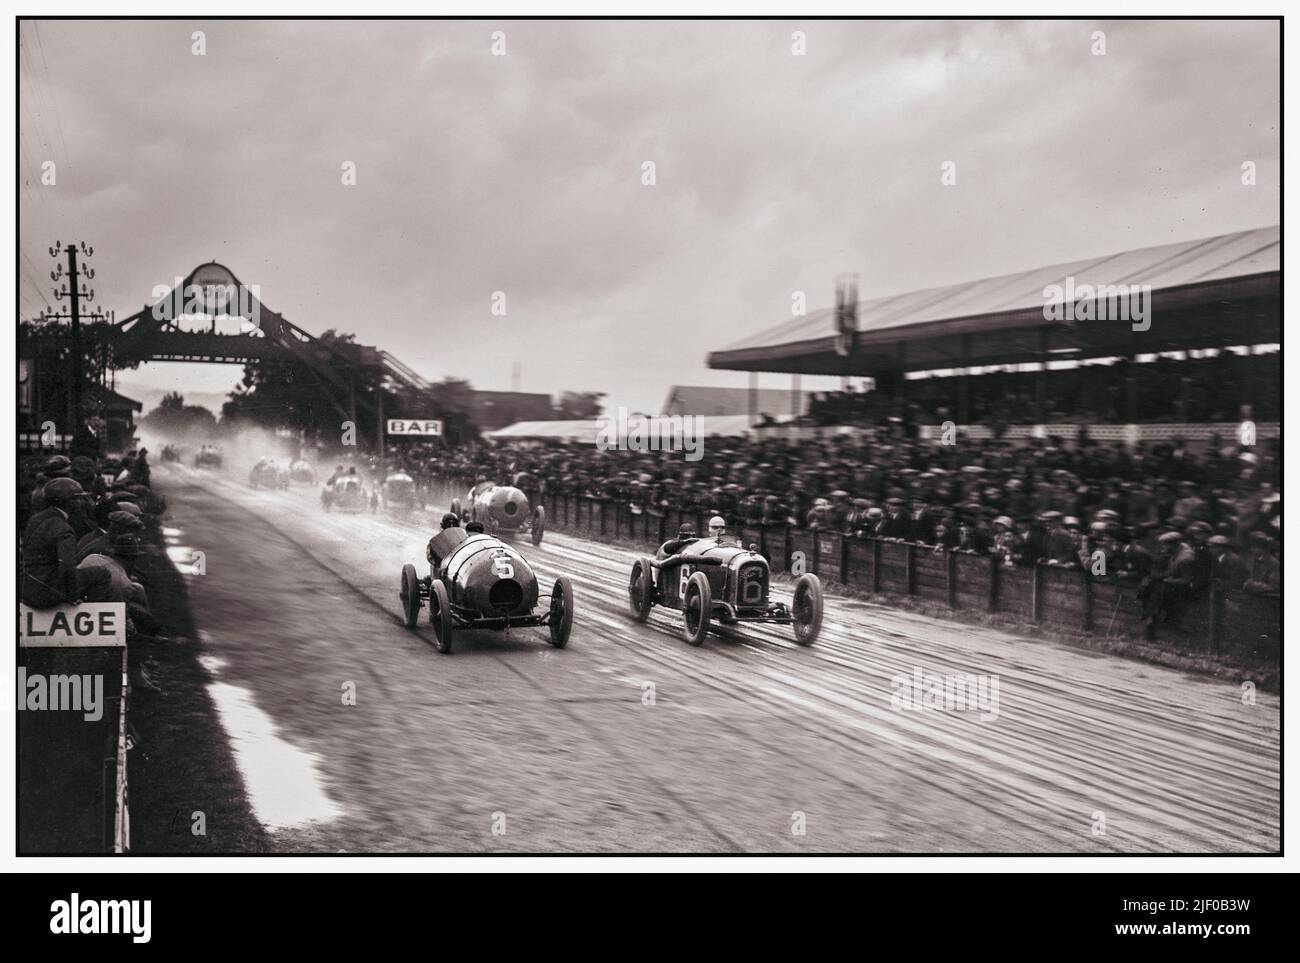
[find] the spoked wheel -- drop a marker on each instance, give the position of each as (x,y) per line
(440,615)
(640,590)
(410,596)
(697,609)
(807,608)
(561,621)
(539,524)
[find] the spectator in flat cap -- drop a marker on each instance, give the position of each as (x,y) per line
(1263,576)
(50,575)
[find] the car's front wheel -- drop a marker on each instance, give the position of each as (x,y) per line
(561,621)
(697,609)
(539,524)
(440,614)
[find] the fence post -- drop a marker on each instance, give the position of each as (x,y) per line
(875,566)
(1087,601)
(844,559)
(950,571)
(1216,618)
(995,576)
(1038,593)
(911,568)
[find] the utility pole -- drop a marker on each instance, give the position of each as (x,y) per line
(74,290)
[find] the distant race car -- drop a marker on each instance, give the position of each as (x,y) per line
(707,580)
(476,581)
(267,474)
(302,472)
(400,494)
(208,456)
(347,494)
(502,509)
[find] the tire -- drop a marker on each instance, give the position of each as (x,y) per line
(454,508)
(539,524)
(640,589)
(410,596)
(806,608)
(440,615)
(697,609)
(561,612)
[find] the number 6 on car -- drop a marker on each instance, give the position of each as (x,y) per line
(726,583)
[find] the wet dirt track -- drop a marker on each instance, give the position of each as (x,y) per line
(508,745)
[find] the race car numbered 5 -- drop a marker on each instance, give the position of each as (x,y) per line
(502,568)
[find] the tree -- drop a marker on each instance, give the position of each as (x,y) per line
(173,416)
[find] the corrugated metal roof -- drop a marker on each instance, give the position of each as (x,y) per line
(1166,266)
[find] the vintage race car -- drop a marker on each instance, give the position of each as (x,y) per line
(208,456)
(708,580)
(347,494)
(302,472)
(503,510)
(476,581)
(400,494)
(267,474)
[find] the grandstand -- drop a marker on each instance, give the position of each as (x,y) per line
(1211,307)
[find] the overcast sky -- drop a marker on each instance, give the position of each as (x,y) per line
(523,173)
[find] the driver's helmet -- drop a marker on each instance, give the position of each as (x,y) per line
(686,531)
(450,521)
(717,526)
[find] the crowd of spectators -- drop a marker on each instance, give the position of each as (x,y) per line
(1172,519)
(86,524)
(1164,390)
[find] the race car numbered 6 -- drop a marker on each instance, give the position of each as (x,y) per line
(73,626)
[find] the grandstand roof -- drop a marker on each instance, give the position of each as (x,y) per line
(709,400)
(1189,274)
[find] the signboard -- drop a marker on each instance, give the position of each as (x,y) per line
(73,626)
(24,384)
(429,427)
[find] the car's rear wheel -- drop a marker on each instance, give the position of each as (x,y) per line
(806,609)
(410,596)
(454,508)
(697,609)
(561,621)
(539,524)
(640,590)
(440,614)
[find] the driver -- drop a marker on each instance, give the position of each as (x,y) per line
(685,536)
(717,528)
(449,520)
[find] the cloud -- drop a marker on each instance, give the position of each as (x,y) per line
(522,173)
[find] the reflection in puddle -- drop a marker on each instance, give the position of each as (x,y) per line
(182,557)
(283,782)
